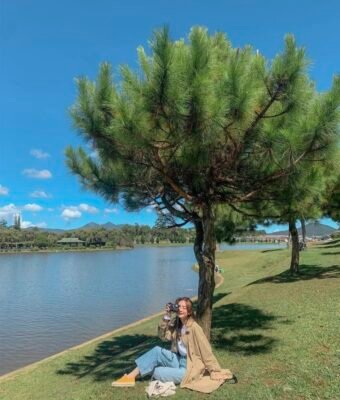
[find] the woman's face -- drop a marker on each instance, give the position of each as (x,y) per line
(182,310)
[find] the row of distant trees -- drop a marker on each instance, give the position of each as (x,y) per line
(16,222)
(125,236)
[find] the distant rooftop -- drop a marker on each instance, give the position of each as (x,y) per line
(70,240)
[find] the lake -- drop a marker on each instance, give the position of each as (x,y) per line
(52,301)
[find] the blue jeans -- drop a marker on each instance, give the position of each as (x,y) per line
(164,365)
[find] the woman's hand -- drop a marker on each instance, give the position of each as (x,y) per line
(167,315)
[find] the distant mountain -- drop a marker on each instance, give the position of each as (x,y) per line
(110,225)
(93,225)
(90,225)
(312,229)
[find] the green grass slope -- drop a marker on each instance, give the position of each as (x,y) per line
(279,334)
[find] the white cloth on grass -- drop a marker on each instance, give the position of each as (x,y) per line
(158,388)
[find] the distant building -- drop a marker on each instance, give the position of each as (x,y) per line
(96,242)
(71,242)
(263,238)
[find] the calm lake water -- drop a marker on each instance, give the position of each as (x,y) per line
(49,302)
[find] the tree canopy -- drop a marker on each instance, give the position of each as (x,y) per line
(201,124)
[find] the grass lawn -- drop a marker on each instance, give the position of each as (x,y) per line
(279,334)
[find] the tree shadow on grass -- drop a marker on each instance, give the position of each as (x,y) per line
(216,298)
(329,245)
(219,296)
(329,253)
(307,272)
(234,329)
(271,250)
(112,358)
(332,246)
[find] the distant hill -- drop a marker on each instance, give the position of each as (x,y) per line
(108,225)
(90,225)
(312,229)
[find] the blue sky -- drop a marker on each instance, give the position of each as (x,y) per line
(44,45)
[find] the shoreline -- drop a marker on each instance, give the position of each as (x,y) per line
(30,367)
(75,250)
(138,246)
(92,250)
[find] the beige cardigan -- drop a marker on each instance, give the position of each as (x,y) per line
(204,373)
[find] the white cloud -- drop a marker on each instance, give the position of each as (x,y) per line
(25,224)
(38,174)
(7,212)
(111,211)
(3,191)
(32,207)
(94,154)
(29,224)
(10,210)
(73,212)
(37,153)
(178,207)
(40,194)
(70,213)
(151,208)
(89,209)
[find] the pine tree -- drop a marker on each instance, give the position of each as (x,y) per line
(199,125)
(301,196)
(17,222)
(331,205)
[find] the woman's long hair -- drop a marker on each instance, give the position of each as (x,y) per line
(190,310)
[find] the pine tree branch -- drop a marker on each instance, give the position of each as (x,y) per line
(177,225)
(261,114)
(240,211)
(310,150)
(179,214)
(276,115)
(183,207)
(169,180)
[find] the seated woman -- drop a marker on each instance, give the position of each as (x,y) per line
(190,362)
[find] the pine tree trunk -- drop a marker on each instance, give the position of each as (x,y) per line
(204,248)
(294,263)
(303,230)
(288,241)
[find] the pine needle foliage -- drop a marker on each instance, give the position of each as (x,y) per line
(202,117)
(200,124)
